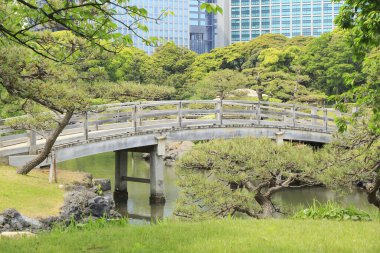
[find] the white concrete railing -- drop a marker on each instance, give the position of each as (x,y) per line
(146,116)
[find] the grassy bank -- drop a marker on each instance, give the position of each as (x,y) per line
(213,236)
(32,195)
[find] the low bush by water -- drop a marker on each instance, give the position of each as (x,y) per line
(332,211)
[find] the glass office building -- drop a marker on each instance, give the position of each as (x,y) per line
(202,28)
(175,28)
(252,18)
(189,27)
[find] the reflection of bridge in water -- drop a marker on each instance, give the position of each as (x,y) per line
(156,212)
(147,126)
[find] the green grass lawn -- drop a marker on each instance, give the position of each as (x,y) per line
(212,236)
(32,195)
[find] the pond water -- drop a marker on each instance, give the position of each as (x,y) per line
(103,166)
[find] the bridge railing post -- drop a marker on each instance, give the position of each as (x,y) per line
(258,112)
(53,169)
(179,114)
(294,115)
(85,125)
(134,118)
(219,112)
(32,142)
(96,121)
(139,113)
(325,120)
(314,113)
(252,112)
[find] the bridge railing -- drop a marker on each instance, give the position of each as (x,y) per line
(144,116)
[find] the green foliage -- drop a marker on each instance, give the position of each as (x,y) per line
(93,21)
(328,60)
(332,211)
(220,83)
(211,8)
(353,158)
(91,225)
(208,173)
(130,64)
(363,19)
(129,91)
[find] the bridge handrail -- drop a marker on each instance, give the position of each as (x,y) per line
(140,116)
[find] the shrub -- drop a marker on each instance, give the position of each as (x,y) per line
(332,211)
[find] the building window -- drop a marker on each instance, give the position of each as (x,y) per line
(255,11)
(265,23)
(285,32)
(245,2)
(235,24)
(235,36)
(255,34)
(245,36)
(276,11)
(196,36)
(235,12)
(285,10)
(296,21)
(276,22)
(235,2)
(317,9)
(286,22)
(306,32)
(245,24)
(245,12)
(265,11)
(255,23)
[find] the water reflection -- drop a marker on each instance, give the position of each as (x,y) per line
(156,212)
(103,166)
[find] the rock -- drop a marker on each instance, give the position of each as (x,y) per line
(99,206)
(75,202)
(83,203)
(85,181)
(175,150)
(12,220)
(17,234)
(105,184)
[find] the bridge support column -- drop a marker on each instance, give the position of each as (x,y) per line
(157,172)
(279,137)
(121,168)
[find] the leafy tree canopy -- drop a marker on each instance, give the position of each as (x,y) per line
(224,177)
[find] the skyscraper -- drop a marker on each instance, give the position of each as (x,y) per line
(252,18)
(174,28)
(202,28)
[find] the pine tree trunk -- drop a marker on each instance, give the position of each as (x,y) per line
(372,195)
(266,204)
(48,145)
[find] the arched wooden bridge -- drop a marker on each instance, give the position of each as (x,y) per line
(146,126)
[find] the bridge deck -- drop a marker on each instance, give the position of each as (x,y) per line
(177,118)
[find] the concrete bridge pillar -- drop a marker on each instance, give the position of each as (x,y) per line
(157,172)
(121,168)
